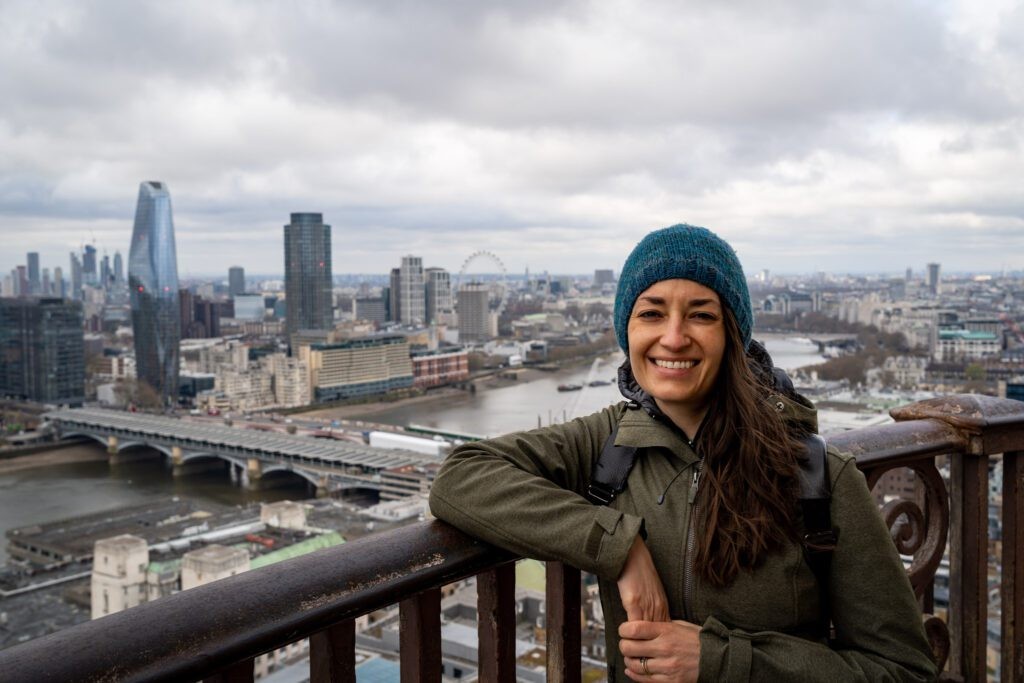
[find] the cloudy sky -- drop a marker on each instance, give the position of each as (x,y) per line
(813,134)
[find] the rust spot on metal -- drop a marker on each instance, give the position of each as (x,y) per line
(327,598)
(964,411)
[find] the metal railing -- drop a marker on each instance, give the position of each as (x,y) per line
(214,632)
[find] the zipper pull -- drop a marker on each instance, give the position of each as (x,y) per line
(696,483)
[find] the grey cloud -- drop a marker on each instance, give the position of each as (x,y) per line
(717,65)
(528,126)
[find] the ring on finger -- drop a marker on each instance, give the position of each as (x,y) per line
(643,665)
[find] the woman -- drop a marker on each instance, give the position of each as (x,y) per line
(701,571)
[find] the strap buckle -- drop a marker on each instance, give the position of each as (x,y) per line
(602,495)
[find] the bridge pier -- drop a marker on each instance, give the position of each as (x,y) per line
(323,487)
(177,462)
(111,445)
(253,474)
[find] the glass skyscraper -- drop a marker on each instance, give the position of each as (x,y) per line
(34,283)
(153,283)
(42,350)
(307,273)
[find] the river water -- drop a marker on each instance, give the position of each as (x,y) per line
(62,491)
(537,403)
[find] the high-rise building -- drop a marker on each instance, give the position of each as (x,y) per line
(21,278)
(307,273)
(236,280)
(76,277)
(474,313)
(604,276)
(118,268)
(393,299)
(933,278)
(45,288)
(43,350)
(186,313)
(371,308)
(207,317)
(59,288)
(105,272)
(89,265)
(412,302)
(439,295)
(153,284)
(34,284)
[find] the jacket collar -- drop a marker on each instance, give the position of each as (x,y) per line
(640,429)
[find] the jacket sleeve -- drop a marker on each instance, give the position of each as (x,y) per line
(524,492)
(879,630)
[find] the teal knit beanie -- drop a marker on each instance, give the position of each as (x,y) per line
(690,253)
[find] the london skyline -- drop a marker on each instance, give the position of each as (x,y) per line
(835,137)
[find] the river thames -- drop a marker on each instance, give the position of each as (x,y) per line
(44,494)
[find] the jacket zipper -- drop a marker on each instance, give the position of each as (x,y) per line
(690,542)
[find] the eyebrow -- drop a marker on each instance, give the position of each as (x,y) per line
(693,303)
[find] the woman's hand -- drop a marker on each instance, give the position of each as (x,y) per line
(670,650)
(640,587)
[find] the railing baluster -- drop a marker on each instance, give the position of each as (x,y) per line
(968,560)
(420,637)
(1012,646)
(332,654)
(496,624)
(242,672)
(563,623)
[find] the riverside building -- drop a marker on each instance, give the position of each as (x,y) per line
(358,367)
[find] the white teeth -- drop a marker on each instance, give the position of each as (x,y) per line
(675,364)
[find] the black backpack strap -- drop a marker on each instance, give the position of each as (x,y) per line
(820,536)
(610,471)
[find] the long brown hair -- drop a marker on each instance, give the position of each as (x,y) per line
(748,498)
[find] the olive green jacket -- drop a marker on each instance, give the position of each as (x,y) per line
(525,492)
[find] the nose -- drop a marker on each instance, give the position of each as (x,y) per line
(676,334)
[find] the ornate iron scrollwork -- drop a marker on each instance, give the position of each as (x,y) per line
(922,534)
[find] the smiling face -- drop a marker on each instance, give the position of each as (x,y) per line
(676,344)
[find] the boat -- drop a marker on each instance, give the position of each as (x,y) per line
(570,387)
(598,383)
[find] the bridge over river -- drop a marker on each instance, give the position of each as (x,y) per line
(252,455)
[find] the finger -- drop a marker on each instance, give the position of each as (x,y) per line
(635,671)
(636,648)
(635,666)
(642,630)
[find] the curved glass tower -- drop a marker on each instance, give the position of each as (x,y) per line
(153,282)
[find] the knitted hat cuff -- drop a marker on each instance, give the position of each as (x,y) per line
(685,252)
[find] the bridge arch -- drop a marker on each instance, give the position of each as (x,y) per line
(189,456)
(101,440)
(121,447)
(310,477)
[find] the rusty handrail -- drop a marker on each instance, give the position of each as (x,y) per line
(190,634)
(198,632)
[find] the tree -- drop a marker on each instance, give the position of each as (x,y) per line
(975,372)
(138,393)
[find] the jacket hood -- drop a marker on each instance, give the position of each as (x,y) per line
(798,411)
